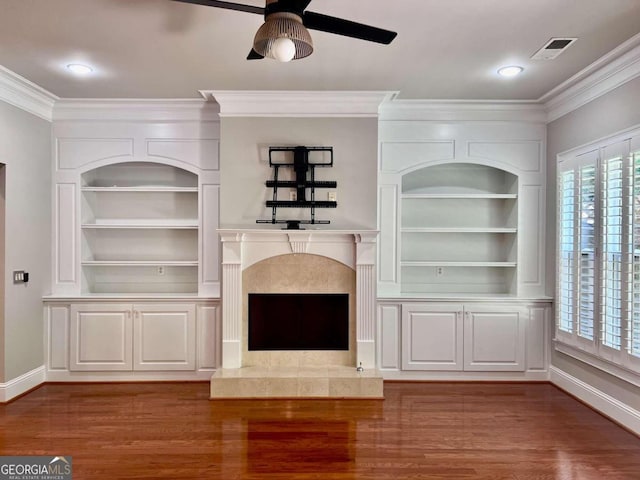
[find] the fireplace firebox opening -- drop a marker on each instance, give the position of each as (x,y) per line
(298,321)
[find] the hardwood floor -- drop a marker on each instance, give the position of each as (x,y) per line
(422,430)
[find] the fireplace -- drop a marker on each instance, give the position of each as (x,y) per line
(298,321)
(275,263)
(300,276)
(245,271)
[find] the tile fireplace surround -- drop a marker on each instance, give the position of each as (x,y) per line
(298,261)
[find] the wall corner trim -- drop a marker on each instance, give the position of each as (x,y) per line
(610,407)
(529,111)
(135,109)
(614,69)
(289,103)
(26,95)
(22,384)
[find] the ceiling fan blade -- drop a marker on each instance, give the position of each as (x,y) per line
(253,55)
(339,26)
(228,5)
(294,5)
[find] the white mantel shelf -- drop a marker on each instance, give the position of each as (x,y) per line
(306,231)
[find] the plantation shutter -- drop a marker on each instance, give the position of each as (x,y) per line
(611,267)
(588,238)
(634,317)
(566,275)
(577,249)
(598,278)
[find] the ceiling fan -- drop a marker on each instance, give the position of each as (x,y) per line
(284,35)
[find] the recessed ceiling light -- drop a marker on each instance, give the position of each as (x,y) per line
(510,71)
(79,69)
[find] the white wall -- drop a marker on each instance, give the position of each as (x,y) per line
(244,167)
(611,113)
(25,149)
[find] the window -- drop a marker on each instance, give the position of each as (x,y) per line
(598,273)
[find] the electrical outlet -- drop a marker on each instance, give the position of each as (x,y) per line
(439,271)
(332,197)
(161,270)
(293,195)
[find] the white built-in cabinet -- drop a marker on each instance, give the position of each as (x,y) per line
(461,251)
(136,255)
(132,337)
(463,337)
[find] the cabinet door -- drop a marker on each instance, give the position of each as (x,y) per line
(432,337)
(494,338)
(164,337)
(100,337)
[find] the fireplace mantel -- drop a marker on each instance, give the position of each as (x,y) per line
(243,247)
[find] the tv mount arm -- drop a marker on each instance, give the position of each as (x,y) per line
(304,180)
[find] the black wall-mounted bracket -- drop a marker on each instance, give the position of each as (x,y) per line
(305,182)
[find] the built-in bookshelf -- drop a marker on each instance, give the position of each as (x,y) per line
(139,229)
(459,230)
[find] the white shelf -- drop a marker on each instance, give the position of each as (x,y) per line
(459,230)
(118,223)
(438,263)
(139,263)
(436,196)
(145,189)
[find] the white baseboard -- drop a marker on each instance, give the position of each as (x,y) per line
(618,411)
(22,384)
(130,376)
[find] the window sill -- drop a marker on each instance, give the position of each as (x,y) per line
(606,366)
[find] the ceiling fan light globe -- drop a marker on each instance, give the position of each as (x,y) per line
(283,49)
(285,26)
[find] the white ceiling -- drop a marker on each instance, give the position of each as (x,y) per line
(445,49)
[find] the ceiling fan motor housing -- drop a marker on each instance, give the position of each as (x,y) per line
(283,25)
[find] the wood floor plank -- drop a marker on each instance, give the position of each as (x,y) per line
(421,431)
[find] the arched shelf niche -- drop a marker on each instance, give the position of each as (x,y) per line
(139,229)
(459,231)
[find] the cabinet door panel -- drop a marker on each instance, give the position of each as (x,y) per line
(432,337)
(494,339)
(100,338)
(164,337)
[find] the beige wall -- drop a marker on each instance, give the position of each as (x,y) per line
(244,168)
(25,149)
(611,113)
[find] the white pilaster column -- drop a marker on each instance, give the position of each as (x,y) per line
(232,300)
(366,299)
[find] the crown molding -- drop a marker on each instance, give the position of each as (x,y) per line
(253,103)
(463,110)
(89,109)
(614,69)
(20,92)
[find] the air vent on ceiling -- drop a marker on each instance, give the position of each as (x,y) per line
(553,48)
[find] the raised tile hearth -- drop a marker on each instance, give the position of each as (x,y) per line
(296,382)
